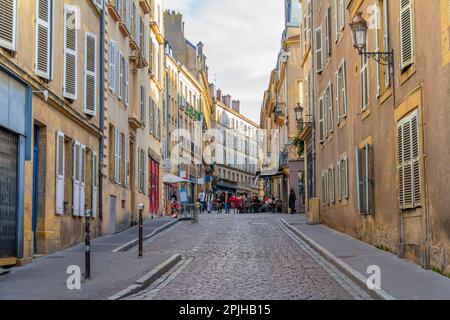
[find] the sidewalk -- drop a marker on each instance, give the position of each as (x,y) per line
(46,277)
(400,278)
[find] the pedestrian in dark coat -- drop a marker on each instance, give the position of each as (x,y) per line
(292,200)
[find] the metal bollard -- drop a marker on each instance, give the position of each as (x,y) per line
(141,229)
(87,241)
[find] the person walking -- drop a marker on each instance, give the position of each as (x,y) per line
(226,202)
(201,200)
(209,201)
(292,200)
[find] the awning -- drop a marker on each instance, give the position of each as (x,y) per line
(171,179)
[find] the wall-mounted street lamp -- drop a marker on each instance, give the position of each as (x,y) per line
(359,29)
(298,112)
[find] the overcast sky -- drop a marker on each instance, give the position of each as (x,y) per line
(241,38)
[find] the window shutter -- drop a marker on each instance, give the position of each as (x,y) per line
(400,166)
(112,66)
(127,83)
(82,179)
(364,82)
(116,155)
(328,32)
(151,119)
(90,74)
(70,52)
(335,17)
(342,13)
(338,93)
(120,77)
(8,24)
(76,179)
(360,180)
(368,187)
(319,54)
(344,89)
(331,108)
(339,180)
(143,105)
(333,184)
(60,169)
(159,123)
(95,174)
(406,34)
(416,158)
(43,38)
(346,193)
(323,189)
(326,109)
(127,162)
(321,120)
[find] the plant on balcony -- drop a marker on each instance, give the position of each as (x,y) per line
(299,144)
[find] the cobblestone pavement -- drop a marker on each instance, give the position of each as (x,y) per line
(243,257)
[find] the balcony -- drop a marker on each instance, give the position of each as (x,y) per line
(112,9)
(145,6)
(284,156)
(304,126)
(280,114)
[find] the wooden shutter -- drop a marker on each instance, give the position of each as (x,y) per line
(338,94)
(344,90)
(8,24)
(331,107)
(151,120)
(328,32)
(95,175)
(43,38)
(82,179)
(333,184)
(90,74)
(406,34)
(415,146)
(70,53)
(112,66)
(323,190)
(364,82)
(143,105)
(342,14)
(159,123)
(339,179)
(116,155)
(76,179)
(321,120)
(127,162)
(325,112)
(346,193)
(319,54)
(367,180)
(60,169)
(127,83)
(120,76)
(377,49)
(360,179)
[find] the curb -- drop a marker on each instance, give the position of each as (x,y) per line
(127,246)
(354,275)
(148,279)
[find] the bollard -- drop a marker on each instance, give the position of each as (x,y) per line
(141,229)
(87,241)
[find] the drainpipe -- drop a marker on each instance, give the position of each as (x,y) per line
(102,113)
(166,155)
(313,99)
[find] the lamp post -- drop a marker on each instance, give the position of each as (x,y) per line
(359,29)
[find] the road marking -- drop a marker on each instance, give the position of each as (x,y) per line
(348,285)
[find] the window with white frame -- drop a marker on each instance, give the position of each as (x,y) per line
(90,74)
(341,92)
(364,82)
(406,33)
(44,38)
(319,50)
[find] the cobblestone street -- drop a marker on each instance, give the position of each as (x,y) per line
(243,257)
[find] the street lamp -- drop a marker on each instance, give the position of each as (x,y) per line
(359,29)
(298,112)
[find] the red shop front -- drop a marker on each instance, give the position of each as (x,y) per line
(153,186)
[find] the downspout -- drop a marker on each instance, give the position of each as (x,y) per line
(166,154)
(102,114)
(313,99)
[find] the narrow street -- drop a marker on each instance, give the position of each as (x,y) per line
(243,257)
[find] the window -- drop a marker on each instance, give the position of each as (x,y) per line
(60,169)
(112,66)
(342,175)
(364,85)
(341,92)
(329,99)
(319,57)
(364,183)
(141,170)
(323,197)
(142,99)
(151,119)
(117,155)
(120,76)
(70,67)
(342,14)
(406,34)
(44,30)
(321,120)
(408,165)
(94,180)
(127,83)
(328,33)
(90,74)
(336,20)
(8,24)
(79,178)
(332,184)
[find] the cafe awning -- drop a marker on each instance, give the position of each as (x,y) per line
(171,179)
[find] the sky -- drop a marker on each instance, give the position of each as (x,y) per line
(242,39)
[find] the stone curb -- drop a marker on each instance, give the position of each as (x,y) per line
(148,279)
(127,246)
(357,277)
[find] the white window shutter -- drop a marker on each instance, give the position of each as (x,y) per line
(338,94)
(60,170)
(120,76)
(346,189)
(151,116)
(112,66)
(342,13)
(8,24)
(319,54)
(321,120)
(344,89)
(90,74)
(95,174)
(43,38)
(368,187)
(82,179)
(335,17)
(116,155)
(333,184)
(127,83)
(406,33)
(76,179)
(331,107)
(415,144)
(364,82)
(70,68)
(127,162)
(377,49)
(325,112)
(339,179)
(359,179)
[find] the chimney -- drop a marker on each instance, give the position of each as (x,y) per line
(227,100)
(212,89)
(236,105)
(219,95)
(200,49)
